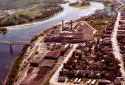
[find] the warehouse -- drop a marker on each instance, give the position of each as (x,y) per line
(52,55)
(47,63)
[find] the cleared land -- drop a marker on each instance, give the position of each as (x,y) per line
(99,22)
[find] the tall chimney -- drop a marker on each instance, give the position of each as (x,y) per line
(71,24)
(62,23)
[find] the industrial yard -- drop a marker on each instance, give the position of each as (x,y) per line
(93,62)
(48,53)
(86,51)
(71,53)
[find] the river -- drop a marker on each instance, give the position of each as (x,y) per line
(27,31)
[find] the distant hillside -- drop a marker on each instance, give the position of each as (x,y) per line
(14,4)
(27,11)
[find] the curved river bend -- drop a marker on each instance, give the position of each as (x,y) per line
(27,31)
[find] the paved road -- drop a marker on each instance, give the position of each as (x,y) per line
(116,50)
(54,79)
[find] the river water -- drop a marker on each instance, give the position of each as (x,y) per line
(27,31)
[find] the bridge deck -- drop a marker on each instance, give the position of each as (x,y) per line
(14,42)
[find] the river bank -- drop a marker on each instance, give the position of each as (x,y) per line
(3,31)
(79,4)
(108,3)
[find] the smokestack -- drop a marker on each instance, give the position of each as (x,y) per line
(62,23)
(71,24)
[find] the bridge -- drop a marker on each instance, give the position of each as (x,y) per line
(11,43)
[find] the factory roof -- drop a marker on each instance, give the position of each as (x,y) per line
(53,55)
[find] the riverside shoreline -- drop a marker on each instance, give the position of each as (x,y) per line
(27,19)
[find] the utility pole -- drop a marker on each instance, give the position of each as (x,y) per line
(62,24)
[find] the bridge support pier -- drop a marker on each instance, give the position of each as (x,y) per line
(11,49)
(10,44)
